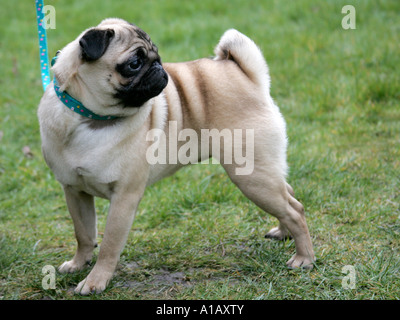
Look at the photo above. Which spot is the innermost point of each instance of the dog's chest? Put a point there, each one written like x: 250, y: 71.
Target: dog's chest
x: 91, y: 173
x: 86, y: 163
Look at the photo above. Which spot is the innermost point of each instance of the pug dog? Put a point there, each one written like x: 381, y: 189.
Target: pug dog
x: 112, y: 98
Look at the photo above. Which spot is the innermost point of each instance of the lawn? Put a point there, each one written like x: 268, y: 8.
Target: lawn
x: 196, y: 236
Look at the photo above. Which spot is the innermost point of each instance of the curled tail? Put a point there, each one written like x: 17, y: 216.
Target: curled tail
x: 241, y: 49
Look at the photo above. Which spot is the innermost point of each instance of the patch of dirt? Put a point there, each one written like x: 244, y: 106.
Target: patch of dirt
x: 155, y: 282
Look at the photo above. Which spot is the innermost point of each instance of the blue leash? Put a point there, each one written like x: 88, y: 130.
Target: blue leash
x: 64, y: 97
x: 43, y: 54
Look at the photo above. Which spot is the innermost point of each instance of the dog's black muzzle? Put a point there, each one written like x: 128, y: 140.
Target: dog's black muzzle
x: 151, y: 84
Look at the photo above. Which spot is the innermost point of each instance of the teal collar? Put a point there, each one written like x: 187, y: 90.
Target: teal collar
x: 74, y: 104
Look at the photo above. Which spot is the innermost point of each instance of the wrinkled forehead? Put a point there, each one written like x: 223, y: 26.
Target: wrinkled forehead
x: 128, y: 37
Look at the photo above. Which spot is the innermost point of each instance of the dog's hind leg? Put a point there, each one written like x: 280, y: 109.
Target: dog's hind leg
x: 290, y: 189
x: 268, y: 190
x: 280, y: 232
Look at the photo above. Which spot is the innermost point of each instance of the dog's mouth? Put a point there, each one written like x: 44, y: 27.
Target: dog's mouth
x: 151, y: 84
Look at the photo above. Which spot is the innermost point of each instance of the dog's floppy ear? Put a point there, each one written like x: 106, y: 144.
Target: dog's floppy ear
x: 95, y: 42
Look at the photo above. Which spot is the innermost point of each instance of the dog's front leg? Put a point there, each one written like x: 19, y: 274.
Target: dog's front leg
x: 81, y: 208
x: 119, y: 221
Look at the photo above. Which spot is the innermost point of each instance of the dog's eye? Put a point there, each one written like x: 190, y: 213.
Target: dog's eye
x: 135, y: 64
x: 131, y: 67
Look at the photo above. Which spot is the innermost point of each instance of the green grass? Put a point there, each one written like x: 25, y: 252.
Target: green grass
x: 196, y: 236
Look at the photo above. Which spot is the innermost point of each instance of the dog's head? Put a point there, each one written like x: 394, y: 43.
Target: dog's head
x: 112, y: 69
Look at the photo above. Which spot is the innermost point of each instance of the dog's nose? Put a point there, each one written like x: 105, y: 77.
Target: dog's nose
x: 157, y: 64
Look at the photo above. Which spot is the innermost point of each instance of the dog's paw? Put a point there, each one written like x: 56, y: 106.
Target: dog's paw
x: 95, y: 282
x: 71, y: 266
x: 278, y: 234
x: 298, y: 261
